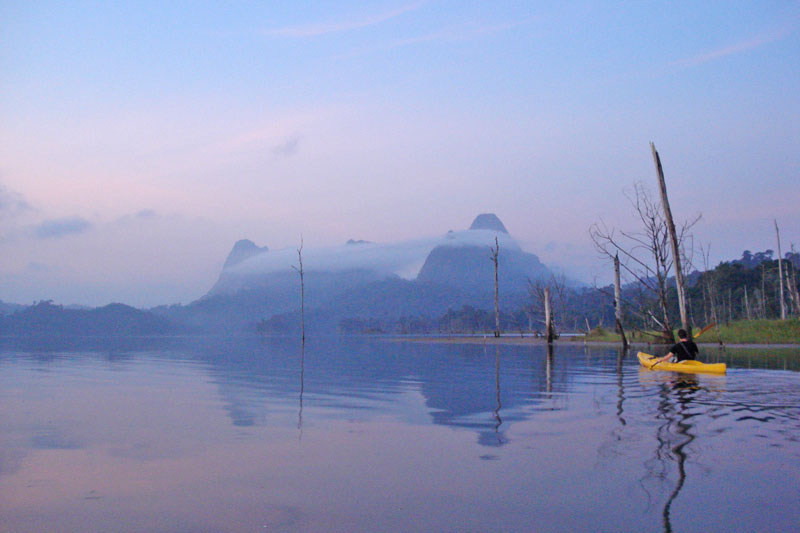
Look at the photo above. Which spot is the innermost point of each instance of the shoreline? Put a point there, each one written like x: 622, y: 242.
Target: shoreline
x: 533, y: 341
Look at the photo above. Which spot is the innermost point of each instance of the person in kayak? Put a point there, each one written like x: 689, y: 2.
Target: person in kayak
x: 684, y: 350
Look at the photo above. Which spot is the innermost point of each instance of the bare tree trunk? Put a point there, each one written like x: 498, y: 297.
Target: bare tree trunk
x: 676, y: 253
x: 747, y: 304
x: 790, y: 305
x: 618, y: 303
x: 763, y: 292
x: 792, y: 283
x: 713, y: 308
x: 548, y: 316
x: 666, y: 328
x: 588, y: 327
x: 715, y: 318
x: 730, y: 305
x: 495, y: 254
x: 780, y: 272
x: 302, y: 292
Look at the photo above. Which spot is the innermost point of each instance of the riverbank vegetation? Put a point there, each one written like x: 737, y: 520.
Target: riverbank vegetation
x: 741, y: 296
x: 761, y: 331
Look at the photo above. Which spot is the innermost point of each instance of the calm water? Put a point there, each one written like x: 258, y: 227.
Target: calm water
x: 370, y: 435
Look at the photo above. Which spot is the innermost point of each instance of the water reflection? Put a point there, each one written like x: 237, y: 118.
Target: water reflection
x: 674, y: 435
x: 302, y: 385
x: 499, y: 405
x: 347, y: 433
x: 549, y: 371
x: 620, y: 387
x: 681, y: 399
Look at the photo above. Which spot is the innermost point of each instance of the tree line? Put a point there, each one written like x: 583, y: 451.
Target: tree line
x: 738, y: 289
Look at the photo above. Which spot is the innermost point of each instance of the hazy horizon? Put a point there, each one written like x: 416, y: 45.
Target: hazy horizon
x: 139, y: 142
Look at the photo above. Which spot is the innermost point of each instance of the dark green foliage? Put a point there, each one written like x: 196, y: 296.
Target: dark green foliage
x: 750, y: 282
x: 573, y: 307
x: 45, y: 319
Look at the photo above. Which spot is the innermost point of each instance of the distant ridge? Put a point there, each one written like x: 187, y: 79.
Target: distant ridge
x: 488, y: 221
x: 354, y: 281
x: 112, y: 320
x: 242, y: 250
x: 463, y: 260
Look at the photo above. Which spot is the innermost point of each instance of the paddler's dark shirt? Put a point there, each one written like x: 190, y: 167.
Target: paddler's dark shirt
x: 684, y: 350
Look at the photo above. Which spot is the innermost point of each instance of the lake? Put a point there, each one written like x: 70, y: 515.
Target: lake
x: 365, y: 434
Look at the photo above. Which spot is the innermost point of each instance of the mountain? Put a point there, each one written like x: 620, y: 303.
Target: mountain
x: 243, y: 249
x: 47, y: 319
x: 364, y: 280
x: 488, y: 221
x: 464, y: 260
x: 7, y: 308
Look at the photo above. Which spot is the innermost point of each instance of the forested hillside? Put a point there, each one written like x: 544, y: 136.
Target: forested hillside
x: 745, y: 288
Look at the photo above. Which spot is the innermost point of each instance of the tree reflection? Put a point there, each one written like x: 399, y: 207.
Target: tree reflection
x: 674, y: 434
x: 302, y: 386
x: 611, y: 447
x: 496, y: 412
x: 549, y: 371
x: 620, y: 388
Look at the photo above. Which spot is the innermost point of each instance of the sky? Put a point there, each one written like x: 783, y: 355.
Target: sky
x: 140, y: 140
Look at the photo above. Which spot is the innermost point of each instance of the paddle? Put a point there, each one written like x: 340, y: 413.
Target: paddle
x: 708, y: 327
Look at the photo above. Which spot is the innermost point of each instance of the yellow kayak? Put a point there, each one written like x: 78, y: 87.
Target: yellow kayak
x: 648, y: 361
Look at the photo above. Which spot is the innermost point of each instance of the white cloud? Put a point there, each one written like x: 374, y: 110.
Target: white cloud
x: 324, y: 28
x: 730, y: 50
x: 403, y: 258
x: 287, y: 148
x: 61, y: 227
x: 12, y: 203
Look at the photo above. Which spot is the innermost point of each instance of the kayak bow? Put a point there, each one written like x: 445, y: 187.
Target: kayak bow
x: 649, y: 361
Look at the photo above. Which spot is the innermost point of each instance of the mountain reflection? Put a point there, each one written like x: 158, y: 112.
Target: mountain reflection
x: 463, y: 386
x: 271, y: 380
x: 578, y: 438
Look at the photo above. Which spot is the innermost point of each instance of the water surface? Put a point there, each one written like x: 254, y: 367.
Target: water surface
x: 367, y: 435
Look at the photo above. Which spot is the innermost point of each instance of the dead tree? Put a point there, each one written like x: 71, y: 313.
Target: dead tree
x: 644, y: 253
x: 299, y: 270
x: 618, y: 303
x: 780, y: 273
x: 675, y: 244
x: 542, y: 293
x: 763, y: 291
x: 709, y: 288
x: 791, y: 281
x: 747, y: 304
x: 495, y: 253
x: 548, y: 317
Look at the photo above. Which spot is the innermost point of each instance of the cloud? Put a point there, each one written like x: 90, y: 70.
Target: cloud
x: 142, y: 215
x: 145, y: 214
x: 737, y: 48
x: 463, y: 32
x: 403, y: 258
x: 12, y: 203
x: 61, y: 227
x: 35, y: 267
x: 449, y: 34
x: 287, y: 148
x: 324, y: 28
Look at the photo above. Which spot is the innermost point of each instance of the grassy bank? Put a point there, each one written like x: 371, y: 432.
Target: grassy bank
x: 738, y: 332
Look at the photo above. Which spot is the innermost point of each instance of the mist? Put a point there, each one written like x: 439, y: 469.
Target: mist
x: 404, y: 258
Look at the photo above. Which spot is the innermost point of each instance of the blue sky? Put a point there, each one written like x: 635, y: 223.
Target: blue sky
x: 139, y: 140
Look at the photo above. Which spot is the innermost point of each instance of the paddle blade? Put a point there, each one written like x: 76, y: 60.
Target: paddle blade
x: 708, y: 327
